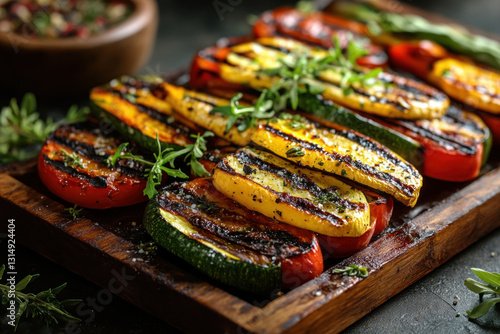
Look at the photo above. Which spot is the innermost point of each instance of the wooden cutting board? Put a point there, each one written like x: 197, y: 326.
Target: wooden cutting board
x: 103, y: 247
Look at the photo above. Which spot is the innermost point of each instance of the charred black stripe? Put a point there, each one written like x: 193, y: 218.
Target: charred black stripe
x: 128, y: 167
x: 300, y: 203
x: 265, y: 241
x: 440, y: 139
x: 98, y: 181
x: 408, y: 190
x: 200, y: 100
x: 153, y: 113
x: 375, y: 147
x: 456, y: 115
x: 389, y: 78
x: 299, y: 181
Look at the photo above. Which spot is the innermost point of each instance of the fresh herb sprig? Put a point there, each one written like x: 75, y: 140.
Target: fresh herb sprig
x: 74, y: 211
x: 44, y: 305
x: 71, y: 160
x: 490, y: 287
x: 353, y: 270
x: 164, y: 157
x: 245, y: 115
x: 22, y: 129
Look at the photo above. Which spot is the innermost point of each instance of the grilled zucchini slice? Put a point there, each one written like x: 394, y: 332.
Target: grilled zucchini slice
x: 228, y: 242
x: 468, y: 83
x: 138, y: 115
x: 344, y: 153
x: 395, y: 97
x: 297, y: 196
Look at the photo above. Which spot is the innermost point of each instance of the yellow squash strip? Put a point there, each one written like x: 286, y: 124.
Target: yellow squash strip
x: 129, y: 114
x: 394, y: 96
x: 356, y: 158
x: 197, y: 106
x: 297, y: 196
x: 468, y: 83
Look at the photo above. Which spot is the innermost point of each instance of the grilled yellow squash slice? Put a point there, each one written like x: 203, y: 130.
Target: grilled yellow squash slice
x: 197, y: 106
x: 468, y: 83
x: 345, y: 153
x: 294, y: 195
x: 394, y: 96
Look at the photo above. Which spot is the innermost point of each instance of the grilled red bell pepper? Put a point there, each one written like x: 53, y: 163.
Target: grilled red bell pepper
x: 318, y: 29
x: 462, y: 80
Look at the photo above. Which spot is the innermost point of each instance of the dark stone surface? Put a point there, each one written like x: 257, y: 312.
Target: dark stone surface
x: 425, y: 307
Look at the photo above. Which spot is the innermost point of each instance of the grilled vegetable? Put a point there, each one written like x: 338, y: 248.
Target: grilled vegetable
x: 229, y: 243
x: 334, y: 116
x: 344, y: 153
x: 455, y: 146
x: 465, y: 82
x: 134, y: 112
x: 318, y: 29
x: 388, y: 95
x: 297, y: 196
x: 388, y: 27
x: 72, y: 165
x: 197, y: 107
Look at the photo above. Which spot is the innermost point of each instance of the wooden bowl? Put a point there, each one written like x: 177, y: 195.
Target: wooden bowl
x: 71, y: 66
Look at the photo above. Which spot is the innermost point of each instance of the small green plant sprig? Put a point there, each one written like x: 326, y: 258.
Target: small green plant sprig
x: 164, y: 157
x: 245, y: 115
x: 491, y: 286
x: 43, y: 305
x: 22, y: 128
x: 74, y: 211
x: 353, y: 270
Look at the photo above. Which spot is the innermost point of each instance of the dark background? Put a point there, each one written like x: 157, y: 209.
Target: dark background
x: 425, y: 307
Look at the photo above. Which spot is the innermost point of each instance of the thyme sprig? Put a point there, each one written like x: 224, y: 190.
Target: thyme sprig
x: 71, y: 160
x: 44, y: 305
x: 166, y: 157
x: 23, y: 130
x: 491, y: 286
x: 74, y: 211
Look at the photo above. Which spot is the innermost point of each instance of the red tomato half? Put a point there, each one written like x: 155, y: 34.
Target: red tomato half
x: 337, y: 247
x: 302, y: 268
x: 94, y: 186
